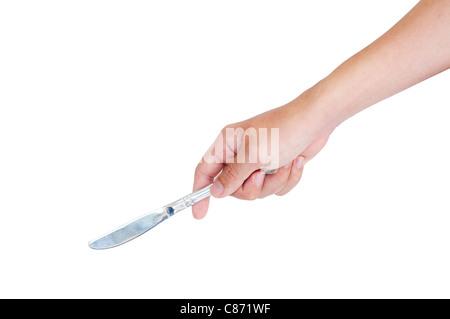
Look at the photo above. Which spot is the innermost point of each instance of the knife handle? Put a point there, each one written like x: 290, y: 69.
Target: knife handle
x: 189, y: 200
x: 197, y: 196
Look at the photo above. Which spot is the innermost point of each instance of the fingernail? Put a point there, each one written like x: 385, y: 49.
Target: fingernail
x: 259, y: 178
x: 287, y: 165
x: 299, y: 162
x: 216, y: 189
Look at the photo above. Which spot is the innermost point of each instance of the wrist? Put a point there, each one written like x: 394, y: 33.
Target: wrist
x: 316, y: 109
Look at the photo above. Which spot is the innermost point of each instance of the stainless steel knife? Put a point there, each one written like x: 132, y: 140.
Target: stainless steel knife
x: 142, y: 224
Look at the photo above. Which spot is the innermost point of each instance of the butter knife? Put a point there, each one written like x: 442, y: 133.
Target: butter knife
x: 144, y: 223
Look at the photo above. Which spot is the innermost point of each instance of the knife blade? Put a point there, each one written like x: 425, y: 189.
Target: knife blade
x: 139, y: 226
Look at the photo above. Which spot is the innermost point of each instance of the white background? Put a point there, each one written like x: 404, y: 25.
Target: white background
x: 107, y: 106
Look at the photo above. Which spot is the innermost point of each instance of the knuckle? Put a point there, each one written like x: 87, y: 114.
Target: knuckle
x: 284, y: 178
x: 251, y: 196
x: 261, y: 196
x: 230, y: 173
x: 197, y: 169
x: 224, y: 129
x: 297, y: 174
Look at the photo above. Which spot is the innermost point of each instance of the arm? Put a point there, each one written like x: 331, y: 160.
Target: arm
x: 416, y: 48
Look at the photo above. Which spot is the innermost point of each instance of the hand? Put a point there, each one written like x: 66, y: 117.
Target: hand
x: 293, y: 138
x: 414, y: 49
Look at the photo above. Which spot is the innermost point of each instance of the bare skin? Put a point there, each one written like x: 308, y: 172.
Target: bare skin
x: 415, y: 49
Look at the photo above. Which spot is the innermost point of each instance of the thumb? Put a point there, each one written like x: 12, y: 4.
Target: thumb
x: 232, y: 177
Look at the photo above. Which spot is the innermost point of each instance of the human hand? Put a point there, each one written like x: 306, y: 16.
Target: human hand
x: 293, y: 138
x: 414, y: 49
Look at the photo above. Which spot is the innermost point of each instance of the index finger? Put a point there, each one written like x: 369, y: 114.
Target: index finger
x: 204, y: 175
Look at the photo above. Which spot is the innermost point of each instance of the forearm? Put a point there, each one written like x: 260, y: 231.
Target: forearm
x: 416, y: 48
